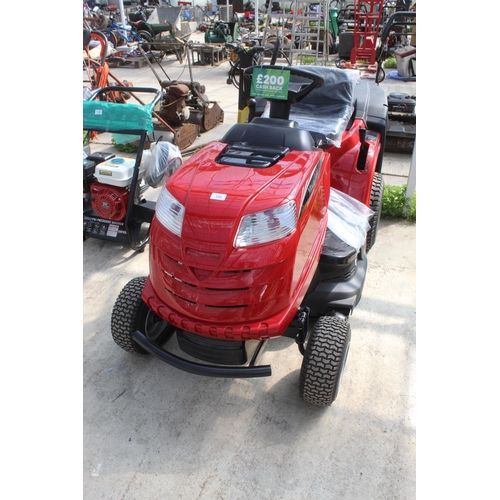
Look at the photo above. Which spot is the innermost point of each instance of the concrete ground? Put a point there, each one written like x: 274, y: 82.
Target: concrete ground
x: 151, y: 431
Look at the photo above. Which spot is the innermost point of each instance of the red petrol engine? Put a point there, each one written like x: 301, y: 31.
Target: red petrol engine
x: 110, y: 202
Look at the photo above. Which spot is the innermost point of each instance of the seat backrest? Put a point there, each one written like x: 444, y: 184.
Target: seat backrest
x: 327, y: 110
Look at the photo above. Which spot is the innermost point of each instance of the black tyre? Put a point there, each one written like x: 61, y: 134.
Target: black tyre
x: 376, y: 198
x: 146, y: 42
x: 324, y: 360
x: 130, y: 313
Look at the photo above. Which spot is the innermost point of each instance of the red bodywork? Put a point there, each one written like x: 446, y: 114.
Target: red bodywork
x: 201, y: 282
x: 345, y: 174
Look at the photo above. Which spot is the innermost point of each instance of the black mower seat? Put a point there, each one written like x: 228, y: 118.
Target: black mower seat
x: 327, y: 110
x: 270, y: 132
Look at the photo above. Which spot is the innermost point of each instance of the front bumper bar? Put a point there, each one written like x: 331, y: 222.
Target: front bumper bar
x: 201, y: 369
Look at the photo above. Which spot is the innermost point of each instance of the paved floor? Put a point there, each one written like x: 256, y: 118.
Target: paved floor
x: 153, y: 432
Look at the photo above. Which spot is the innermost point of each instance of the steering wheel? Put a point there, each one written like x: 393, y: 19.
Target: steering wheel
x: 296, y: 91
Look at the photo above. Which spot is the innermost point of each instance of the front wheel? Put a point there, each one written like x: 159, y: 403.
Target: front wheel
x: 324, y: 360
x: 130, y: 313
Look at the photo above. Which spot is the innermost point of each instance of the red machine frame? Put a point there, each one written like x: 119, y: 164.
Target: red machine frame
x: 366, y: 30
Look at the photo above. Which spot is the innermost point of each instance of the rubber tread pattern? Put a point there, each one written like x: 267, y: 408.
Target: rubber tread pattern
x: 127, y: 312
x: 323, y: 360
x: 376, y: 199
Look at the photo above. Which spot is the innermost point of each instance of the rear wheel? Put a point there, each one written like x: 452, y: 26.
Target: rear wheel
x: 324, y: 360
x: 130, y: 313
x: 376, y: 198
x: 146, y: 40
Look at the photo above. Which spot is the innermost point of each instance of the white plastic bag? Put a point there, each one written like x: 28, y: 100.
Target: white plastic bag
x: 348, y: 218
x: 160, y: 162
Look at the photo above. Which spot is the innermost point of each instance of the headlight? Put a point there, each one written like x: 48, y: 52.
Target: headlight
x: 170, y: 212
x: 269, y: 225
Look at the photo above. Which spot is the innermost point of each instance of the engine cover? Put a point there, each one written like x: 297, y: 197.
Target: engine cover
x: 173, y: 107
x: 109, y: 202
x: 200, y: 280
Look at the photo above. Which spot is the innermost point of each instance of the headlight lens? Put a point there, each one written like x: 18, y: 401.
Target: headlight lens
x: 269, y: 225
x: 170, y: 212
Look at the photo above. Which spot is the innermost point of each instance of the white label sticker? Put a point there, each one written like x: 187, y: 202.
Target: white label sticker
x: 112, y: 231
x: 98, y: 112
x: 218, y: 196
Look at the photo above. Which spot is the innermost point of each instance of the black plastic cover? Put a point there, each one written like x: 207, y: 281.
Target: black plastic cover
x: 270, y: 132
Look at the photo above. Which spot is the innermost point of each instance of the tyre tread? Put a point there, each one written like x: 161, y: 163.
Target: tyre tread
x: 376, y: 198
x: 322, y: 364
x: 125, y: 315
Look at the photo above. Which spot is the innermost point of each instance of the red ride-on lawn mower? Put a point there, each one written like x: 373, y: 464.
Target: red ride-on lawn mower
x: 241, y: 250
